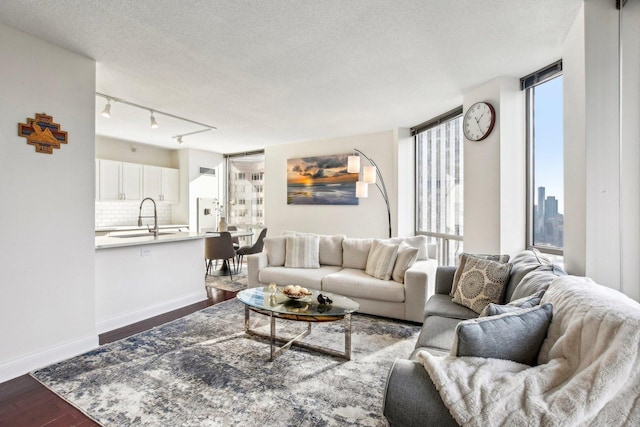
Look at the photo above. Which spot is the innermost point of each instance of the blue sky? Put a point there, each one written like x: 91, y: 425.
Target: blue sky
x: 548, y: 125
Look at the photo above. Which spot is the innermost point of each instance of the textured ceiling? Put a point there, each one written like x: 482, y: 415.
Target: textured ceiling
x: 279, y: 71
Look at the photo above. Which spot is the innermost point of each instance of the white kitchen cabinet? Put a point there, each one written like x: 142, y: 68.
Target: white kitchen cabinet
x: 120, y: 181
x: 161, y: 184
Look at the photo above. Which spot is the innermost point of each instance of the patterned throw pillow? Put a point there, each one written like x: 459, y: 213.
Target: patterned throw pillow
x: 407, y: 255
x: 382, y: 257
x: 481, y: 282
x: 463, y: 260
x: 302, y: 252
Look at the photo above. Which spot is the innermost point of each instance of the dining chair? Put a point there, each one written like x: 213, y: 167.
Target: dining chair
x: 234, y: 239
x: 219, y: 248
x: 251, y: 249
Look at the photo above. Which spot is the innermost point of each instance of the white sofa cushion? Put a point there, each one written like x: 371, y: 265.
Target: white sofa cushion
x: 275, y: 247
x: 407, y: 255
x: 356, y: 283
x: 331, y: 249
x: 419, y: 242
x: 302, y: 251
x: 306, y: 277
x: 355, y: 253
x: 381, y: 259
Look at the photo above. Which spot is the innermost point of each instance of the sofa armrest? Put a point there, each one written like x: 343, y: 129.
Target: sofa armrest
x: 444, y: 279
x: 419, y: 283
x: 255, y: 263
x: 411, y: 399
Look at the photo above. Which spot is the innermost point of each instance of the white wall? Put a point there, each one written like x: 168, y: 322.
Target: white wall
x: 630, y: 133
x: 368, y: 219
x: 494, y: 173
x: 133, y: 152
x: 47, y: 309
x: 575, y: 179
x: 404, y: 216
x: 195, y: 185
x: 601, y: 156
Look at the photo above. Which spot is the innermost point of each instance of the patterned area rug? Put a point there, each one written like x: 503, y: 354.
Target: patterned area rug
x: 225, y: 283
x: 202, y: 370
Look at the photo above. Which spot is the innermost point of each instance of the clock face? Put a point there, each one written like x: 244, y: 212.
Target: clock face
x: 478, y: 121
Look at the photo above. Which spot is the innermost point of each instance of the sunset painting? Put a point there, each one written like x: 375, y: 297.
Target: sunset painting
x: 321, y: 180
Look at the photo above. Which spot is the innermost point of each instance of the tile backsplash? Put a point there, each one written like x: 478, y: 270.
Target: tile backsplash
x: 111, y: 214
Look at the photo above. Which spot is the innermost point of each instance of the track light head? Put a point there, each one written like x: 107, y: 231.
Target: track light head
x: 154, y: 123
x: 180, y: 141
x: 107, y: 110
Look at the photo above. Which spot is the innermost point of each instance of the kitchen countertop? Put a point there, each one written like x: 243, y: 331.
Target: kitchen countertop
x: 135, y: 227
x: 105, y: 242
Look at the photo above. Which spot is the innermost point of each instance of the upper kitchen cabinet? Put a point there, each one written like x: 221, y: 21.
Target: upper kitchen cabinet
x: 161, y: 184
x: 120, y: 181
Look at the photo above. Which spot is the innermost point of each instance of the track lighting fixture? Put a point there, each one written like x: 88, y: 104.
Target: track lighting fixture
x: 179, y: 137
x: 107, y: 109
x: 154, y: 123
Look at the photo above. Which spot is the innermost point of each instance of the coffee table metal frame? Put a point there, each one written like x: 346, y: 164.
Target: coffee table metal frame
x: 272, y: 336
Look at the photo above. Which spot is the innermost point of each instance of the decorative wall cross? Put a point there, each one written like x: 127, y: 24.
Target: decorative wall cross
x: 42, y: 133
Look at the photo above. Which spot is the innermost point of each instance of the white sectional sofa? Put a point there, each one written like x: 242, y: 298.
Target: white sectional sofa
x: 341, y: 267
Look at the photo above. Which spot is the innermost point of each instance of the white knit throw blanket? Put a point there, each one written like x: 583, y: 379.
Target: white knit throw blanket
x: 588, y: 372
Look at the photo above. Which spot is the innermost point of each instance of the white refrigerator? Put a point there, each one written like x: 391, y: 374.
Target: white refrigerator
x: 207, y: 214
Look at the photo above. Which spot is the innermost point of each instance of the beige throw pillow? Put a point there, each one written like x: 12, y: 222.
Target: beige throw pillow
x: 481, y: 282
x: 463, y: 260
x: 407, y: 256
x: 302, y: 252
x: 381, y: 259
x: 355, y: 253
x: 275, y: 248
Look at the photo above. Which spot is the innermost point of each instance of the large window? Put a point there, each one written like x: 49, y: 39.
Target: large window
x: 439, y: 167
x: 545, y: 159
x: 246, y: 189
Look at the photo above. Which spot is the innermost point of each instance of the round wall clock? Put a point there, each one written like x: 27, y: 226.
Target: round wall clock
x: 478, y: 121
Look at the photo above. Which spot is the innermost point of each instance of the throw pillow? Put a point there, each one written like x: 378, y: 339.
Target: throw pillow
x: 419, y: 242
x: 331, y: 249
x: 275, y: 248
x: 407, y: 255
x: 381, y: 259
x: 481, y: 282
x: 302, y: 252
x: 515, y: 336
x: 462, y: 261
x: 355, y: 253
x: 526, y: 302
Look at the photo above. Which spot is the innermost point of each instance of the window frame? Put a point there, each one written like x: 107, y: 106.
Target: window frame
x: 528, y: 83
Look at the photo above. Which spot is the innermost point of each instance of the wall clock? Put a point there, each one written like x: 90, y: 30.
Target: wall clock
x: 478, y: 121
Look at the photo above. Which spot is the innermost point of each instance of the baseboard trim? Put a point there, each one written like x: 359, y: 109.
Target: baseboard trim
x: 46, y: 357
x: 120, y: 320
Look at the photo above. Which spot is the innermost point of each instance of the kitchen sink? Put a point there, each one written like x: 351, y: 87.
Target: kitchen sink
x: 147, y: 234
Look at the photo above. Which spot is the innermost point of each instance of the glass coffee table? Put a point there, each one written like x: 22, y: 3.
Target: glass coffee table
x: 308, y: 309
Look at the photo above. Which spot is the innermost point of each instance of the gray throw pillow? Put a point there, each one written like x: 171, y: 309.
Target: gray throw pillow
x: 526, y: 302
x: 515, y: 336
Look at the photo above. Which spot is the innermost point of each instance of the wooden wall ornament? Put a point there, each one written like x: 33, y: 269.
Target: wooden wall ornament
x: 42, y: 133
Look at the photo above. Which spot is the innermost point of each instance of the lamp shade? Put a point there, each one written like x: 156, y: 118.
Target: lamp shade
x: 362, y: 189
x: 353, y: 164
x: 369, y: 174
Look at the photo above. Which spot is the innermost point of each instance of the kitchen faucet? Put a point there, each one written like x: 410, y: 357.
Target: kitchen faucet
x: 154, y: 230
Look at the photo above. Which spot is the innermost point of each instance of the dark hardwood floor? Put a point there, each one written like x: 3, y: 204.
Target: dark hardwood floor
x: 24, y: 402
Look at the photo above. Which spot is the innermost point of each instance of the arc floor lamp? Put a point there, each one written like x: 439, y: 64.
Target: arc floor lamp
x: 369, y: 175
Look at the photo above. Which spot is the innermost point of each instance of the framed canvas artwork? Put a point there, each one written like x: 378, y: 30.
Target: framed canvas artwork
x: 321, y: 180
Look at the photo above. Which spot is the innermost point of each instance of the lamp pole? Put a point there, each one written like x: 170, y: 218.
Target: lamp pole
x: 383, y: 189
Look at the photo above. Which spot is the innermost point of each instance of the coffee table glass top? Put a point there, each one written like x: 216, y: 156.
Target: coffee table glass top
x: 261, y: 298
